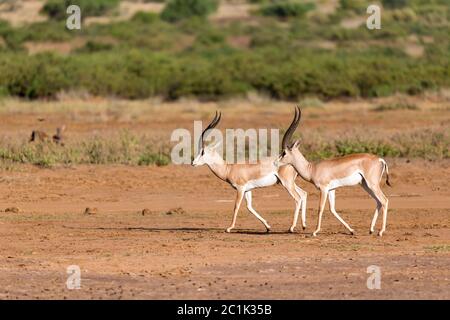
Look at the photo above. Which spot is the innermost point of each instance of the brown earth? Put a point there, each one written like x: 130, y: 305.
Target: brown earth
x: 179, y: 249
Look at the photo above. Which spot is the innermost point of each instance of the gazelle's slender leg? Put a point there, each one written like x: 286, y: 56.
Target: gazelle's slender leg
x: 303, y: 196
x: 375, y: 217
x: 298, y: 202
x: 384, y: 203
x: 375, y: 188
x: 239, y: 197
x: 385, y: 208
x: 290, y: 187
x: 332, y: 202
x: 248, y: 199
x: 377, y: 209
x: 323, y: 200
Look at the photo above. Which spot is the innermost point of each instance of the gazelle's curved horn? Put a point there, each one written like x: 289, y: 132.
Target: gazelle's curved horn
x: 211, y: 126
x: 290, y: 131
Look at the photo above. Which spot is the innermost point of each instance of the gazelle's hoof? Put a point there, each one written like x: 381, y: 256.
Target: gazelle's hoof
x: 292, y: 229
x: 380, y: 234
x: 371, y: 231
x: 268, y: 229
x: 228, y: 230
x: 314, y: 234
x: 352, y: 232
x: 304, y: 227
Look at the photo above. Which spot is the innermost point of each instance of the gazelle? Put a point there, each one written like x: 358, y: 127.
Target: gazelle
x: 328, y: 175
x: 37, y: 135
x: 58, y: 137
x: 41, y: 136
x: 246, y: 177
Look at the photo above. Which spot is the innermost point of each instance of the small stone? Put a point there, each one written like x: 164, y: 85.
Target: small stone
x: 90, y: 211
x: 146, y: 211
x: 12, y: 209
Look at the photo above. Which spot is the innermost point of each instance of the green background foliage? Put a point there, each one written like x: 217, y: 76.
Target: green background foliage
x: 183, y: 53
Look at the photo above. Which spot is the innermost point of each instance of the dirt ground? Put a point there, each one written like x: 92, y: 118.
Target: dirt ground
x: 185, y: 254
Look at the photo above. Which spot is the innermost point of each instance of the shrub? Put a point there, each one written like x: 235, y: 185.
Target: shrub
x: 94, y: 46
x: 287, y: 9
x: 131, y: 75
x: 394, y: 4
x: 204, y: 80
x: 39, y: 76
x: 358, y: 6
x: 148, y: 158
x: 311, y: 102
x: 403, y: 15
x: 176, y: 10
x: 123, y: 148
x: 395, y: 106
x: 344, y: 147
x: 145, y: 17
x: 56, y: 9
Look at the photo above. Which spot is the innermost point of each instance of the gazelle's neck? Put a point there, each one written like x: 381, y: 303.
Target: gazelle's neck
x: 303, y: 166
x: 218, y: 167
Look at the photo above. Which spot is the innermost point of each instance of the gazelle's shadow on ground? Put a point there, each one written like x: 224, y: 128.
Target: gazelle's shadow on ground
x: 181, y: 229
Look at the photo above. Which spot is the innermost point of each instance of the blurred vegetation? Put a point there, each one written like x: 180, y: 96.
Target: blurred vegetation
x: 182, y: 53
x: 177, y: 10
x: 430, y: 144
x: 287, y: 9
x: 56, y: 9
x: 130, y: 149
x: 395, y: 106
x: 124, y: 148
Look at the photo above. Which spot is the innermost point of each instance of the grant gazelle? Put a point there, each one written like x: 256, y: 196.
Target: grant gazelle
x: 328, y: 175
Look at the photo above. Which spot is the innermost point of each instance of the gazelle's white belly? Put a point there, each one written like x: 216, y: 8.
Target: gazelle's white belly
x: 265, y: 181
x: 350, y: 180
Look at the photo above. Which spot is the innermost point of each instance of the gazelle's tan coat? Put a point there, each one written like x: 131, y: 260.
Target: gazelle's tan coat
x: 246, y: 177
x: 328, y: 175
x: 41, y: 136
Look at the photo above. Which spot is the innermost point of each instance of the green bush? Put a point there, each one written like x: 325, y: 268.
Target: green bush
x: 123, y: 148
x: 394, y: 4
x: 287, y: 9
x: 344, y: 147
x: 149, y: 158
x: 358, y: 6
x: 395, y: 106
x: 176, y: 10
x: 204, y: 80
x: 131, y: 75
x: 40, y: 76
x: 56, y: 9
x: 145, y: 17
x: 219, y: 72
x: 94, y: 46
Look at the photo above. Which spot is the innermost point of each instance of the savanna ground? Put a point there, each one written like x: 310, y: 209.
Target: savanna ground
x: 185, y: 253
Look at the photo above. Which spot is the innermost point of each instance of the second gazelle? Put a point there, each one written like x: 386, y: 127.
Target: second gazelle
x: 328, y: 175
